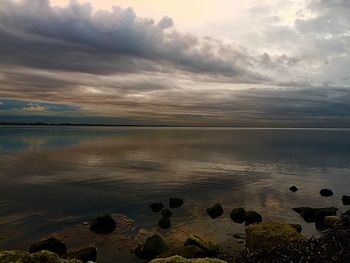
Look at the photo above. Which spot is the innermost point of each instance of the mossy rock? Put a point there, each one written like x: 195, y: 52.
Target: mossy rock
x: 19, y: 256
x: 267, y: 234
x: 178, y: 259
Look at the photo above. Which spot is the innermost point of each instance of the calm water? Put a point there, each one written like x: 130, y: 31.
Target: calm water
x: 52, y: 178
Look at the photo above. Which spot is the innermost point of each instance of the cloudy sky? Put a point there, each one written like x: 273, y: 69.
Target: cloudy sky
x: 194, y: 62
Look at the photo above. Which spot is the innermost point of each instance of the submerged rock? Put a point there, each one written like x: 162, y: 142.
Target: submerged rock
x: 238, y: 215
x: 297, y: 227
x: 326, y: 192
x: 178, y: 259
x: 154, y: 246
x: 85, y: 254
x: 267, y: 234
x: 346, y: 200
x: 252, y: 217
x: 103, y: 225
x: 18, y: 256
x: 51, y: 244
x: 175, y: 202
x: 293, y: 188
x: 209, y: 248
x: 315, y: 214
x: 156, y: 207
x: 167, y: 213
x: 215, y: 211
x: 164, y: 222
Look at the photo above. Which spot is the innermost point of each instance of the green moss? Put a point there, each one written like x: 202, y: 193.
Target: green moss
x: 18, y: 256
x: 178, y: 259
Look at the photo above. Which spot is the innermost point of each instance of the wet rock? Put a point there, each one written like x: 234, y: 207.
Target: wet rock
x: 175, y: 202
x: 156, y: 207
x: 51, y: 244
x: 167, y: 213
x: 297, y: 227
x: 238, y: 215
x: 293, y: 188
x: 252, y: 217
x: 346, y: 200
x: 103, y: 225
x: 215, y: 211
x: 315, y: 214
x: 326, y: 192
x: 178, y: 259
x: 18, y: 256
x: 154, y: 246
x: 267, y: 234
x: 209, y: 248
x: 164, y: 222
x: 85, y: 254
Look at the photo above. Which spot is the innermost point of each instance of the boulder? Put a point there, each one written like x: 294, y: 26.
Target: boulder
x: 154, y: 246
x: 331, y: 221
x: 178, y: 259
x: 238, y: 215
x: 167, y: 213
x: 103, y: 225
x: 293, y: 188
x: 315, y: 214
x: 164, y: 222
x: 346, y: 200
x: 215, y: 211
x: 252, y: 217
x: 326, y: 192
x: 51, y: 244
x: 267, y: 234
x: 297, y: 227
x: 156, y: 207
x: 85, y: 254
x: 18, y: 256
x: 175, y: 202
x: 209, y: 248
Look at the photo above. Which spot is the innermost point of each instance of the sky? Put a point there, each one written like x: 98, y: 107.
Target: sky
x: 169, y: 62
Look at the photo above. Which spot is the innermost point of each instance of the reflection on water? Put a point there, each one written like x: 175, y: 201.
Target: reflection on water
x: 55, y: 177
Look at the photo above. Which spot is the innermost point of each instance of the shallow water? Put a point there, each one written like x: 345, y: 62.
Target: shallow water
x: 55, y: 178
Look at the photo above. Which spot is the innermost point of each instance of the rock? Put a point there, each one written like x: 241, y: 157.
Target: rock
x: 186, y: 252
x: 238, y: 215
x: 156, y: 207
x: 103, y: 225
x: 164, y: 222
x: 154, y: 246
x: 18, y: 256
x: 315, y: 214
x: 331, y: 221
x: 267, y: 234
x: 239, y: 236
x: 85, y: 254
x: 293, y: 188
x: 167, y: 213
x: 297, y: 227
x: 175, y: 202
x: 326, y: 192
x: 215, y: 211
x: 252, y: 217
x: 209, y: 248
x: 346, y: 200
x: 51, y: 244
x: 178, y: 259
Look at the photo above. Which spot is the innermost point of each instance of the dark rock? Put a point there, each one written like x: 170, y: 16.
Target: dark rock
x: 238, y: 215
x: 315, y: 214
x: 209, y: 248
x: 51, y: 244
x: 167, y: 213
x: 215, y: 211
x: 326, y: 192
x: 175, y: 202
x: 293, y: 188
x: 85, y: 254
x: 252, y: 217
x: 103, y: 225
x: 346, y: 200
x: 156, y: 207
x: 164, y: 222
x: 297, y: 227
x: 154, y: 246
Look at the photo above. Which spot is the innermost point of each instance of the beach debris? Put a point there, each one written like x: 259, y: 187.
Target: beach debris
x: 293, y: 188
x: 215, y: 211
x: 175, y: 202
x: 52, y: 244
x: 238, y: 215
x: 153, y: 247
x: 208, y: 247
x: 346, y: 200
x: 156, y: 207
x: 315, y: 214
x: 84, y: 254
x: 104, y: 224
x: 164, y: 222
x: 252, y: 217
x: 326, y: 192
x: 166, y: 213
